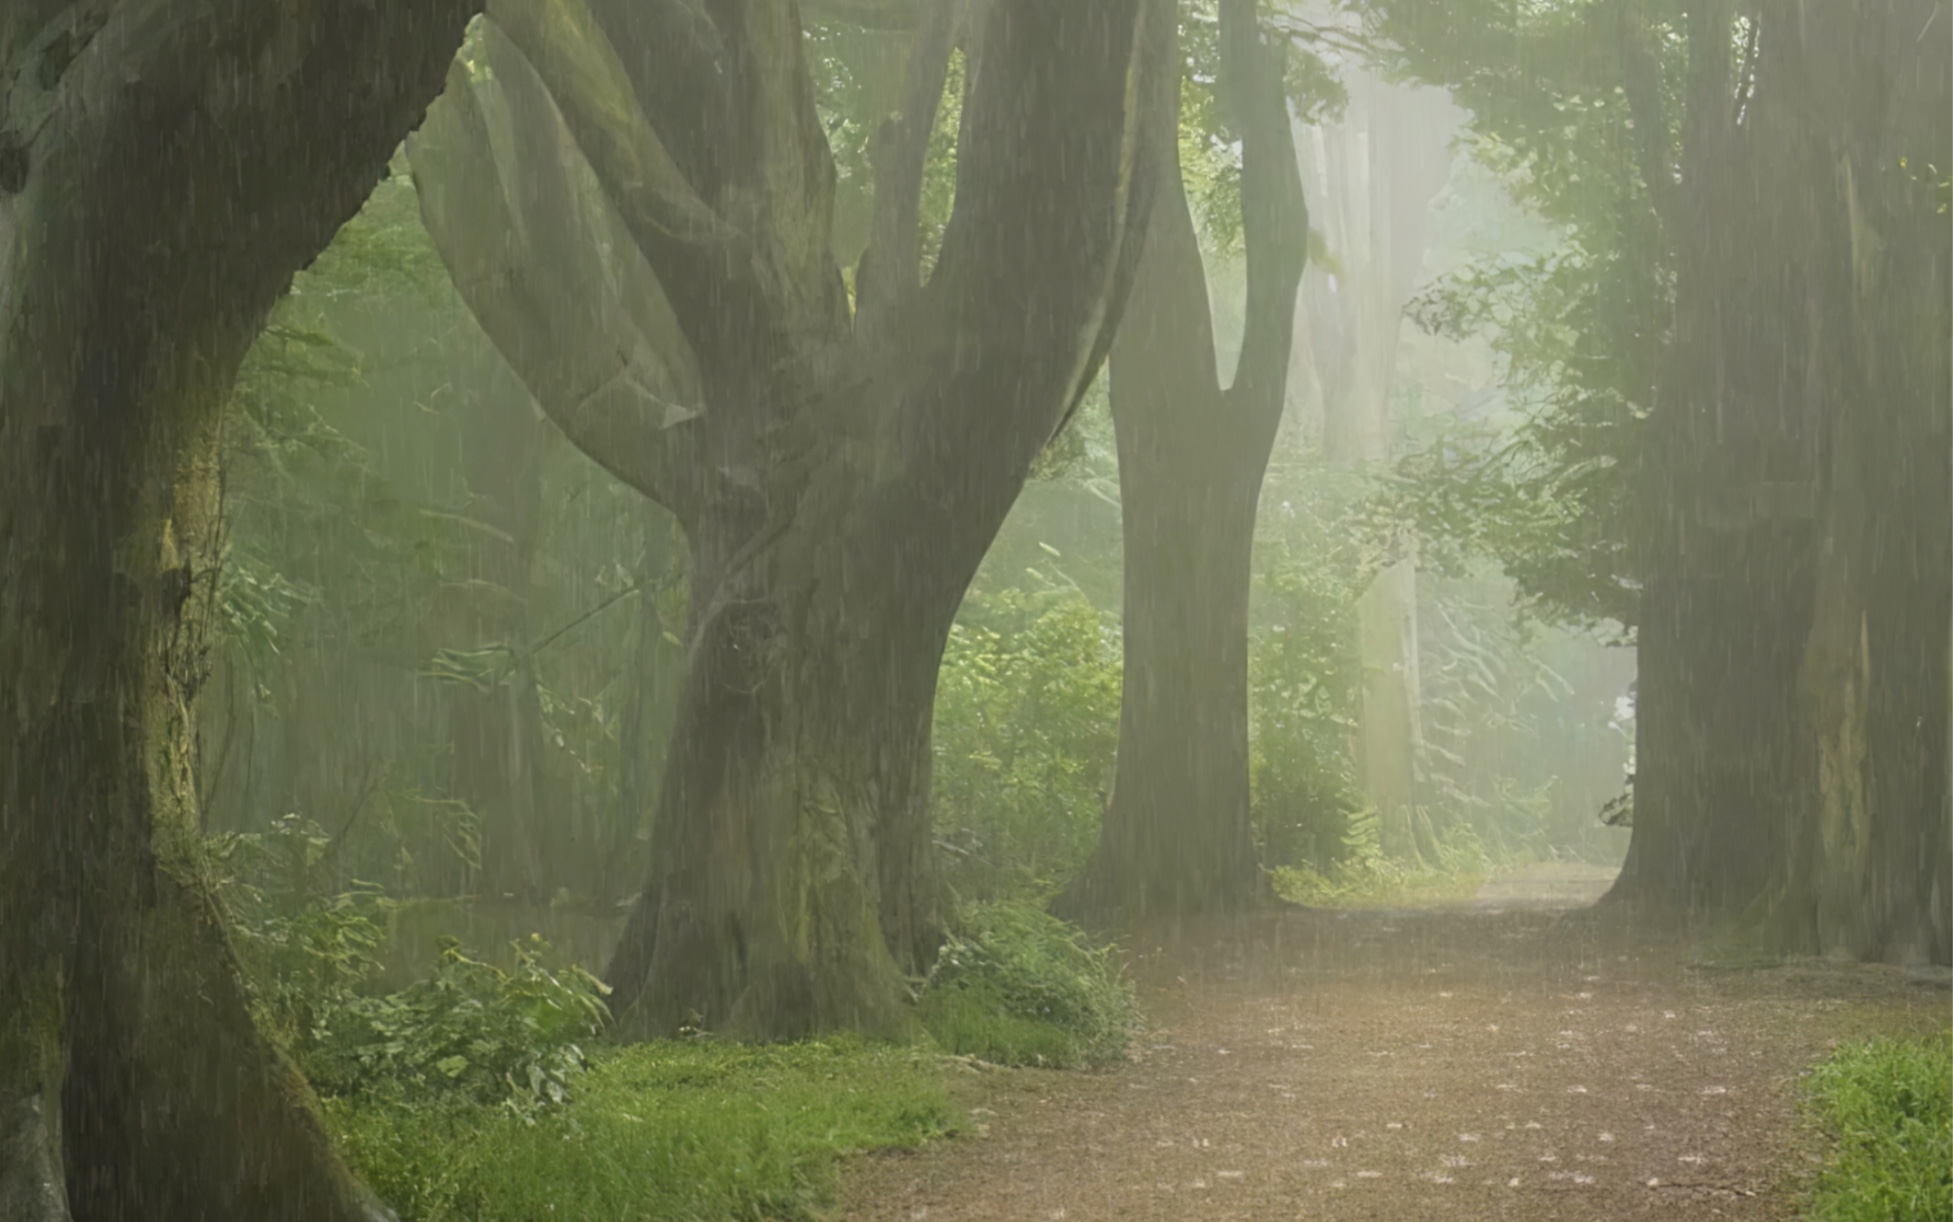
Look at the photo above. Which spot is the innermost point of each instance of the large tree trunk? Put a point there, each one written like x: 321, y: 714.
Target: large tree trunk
x: 781, y: 892
x: 1177, y: 836
x: 183, y: 161
x: 1866, y: 872
x: 839, y: 476
x: 1725, y: 497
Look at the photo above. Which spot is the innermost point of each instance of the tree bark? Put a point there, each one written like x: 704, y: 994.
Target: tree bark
x: 1177, y: 836
x: 838, y: 477
x: 1724, y: 496
x: 164, y: 169
x: 1866, y: 871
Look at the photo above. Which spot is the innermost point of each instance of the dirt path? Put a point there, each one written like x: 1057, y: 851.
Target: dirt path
x: 1486, y: 1061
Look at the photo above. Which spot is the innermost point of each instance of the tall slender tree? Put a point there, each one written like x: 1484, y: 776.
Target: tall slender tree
x: 635, y: 200
x: 1376, y: 171
x: 1176, y: 836
x: 165, y: 167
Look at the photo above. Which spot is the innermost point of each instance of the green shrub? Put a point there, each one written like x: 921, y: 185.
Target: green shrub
x: 470, y: 1031
x: 304, y: 947
x: 678, y: 1130
x: 1017, y: 986
x: 1365, y: 878
x: 1027, y: 722
x: 1304, y: 676
x: 1888, y: 1105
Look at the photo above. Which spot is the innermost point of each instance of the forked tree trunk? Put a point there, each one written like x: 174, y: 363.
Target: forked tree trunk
x: 185, y: 159
x: 1177, y: 836
x: 839, y: 476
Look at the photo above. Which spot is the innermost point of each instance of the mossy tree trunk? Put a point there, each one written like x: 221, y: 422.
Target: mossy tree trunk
x: 646, y: 235
x: 165, y: 166
x: 1177, y: 837
x: 1865, y: 868
x: 1726, y: 487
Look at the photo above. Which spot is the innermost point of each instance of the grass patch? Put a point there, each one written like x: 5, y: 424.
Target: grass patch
x: 1888, y: 1106
x: 675, y: 1130
x: 1366, y: 878
x: 1375, y: 883
x: 1016, y: 986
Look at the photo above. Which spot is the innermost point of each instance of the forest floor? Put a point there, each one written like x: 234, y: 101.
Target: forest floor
x: 1514, y: 1057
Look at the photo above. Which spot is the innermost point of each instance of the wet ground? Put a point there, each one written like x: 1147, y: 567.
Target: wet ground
x: 1508, y: 1058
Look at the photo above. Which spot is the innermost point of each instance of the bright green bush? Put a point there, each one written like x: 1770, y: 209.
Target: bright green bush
x: 1304, y: 676
x: 678, y: 1130
x: 1017, y: 986
x: 1888, y: 1106
x: 1027, y: 723
x: 470, y: 1030
x: 305, y: 947
x: 1364, y: 878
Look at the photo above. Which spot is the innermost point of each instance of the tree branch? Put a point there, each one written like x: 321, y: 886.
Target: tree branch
x: 892, y: 15
x: 891, y: 267
x: 1641, y: 81
x: 742, y: 252
x: 1057, y: 170
x: 1274, y: 214
x: 1169, y: 303
x: 521, y: 244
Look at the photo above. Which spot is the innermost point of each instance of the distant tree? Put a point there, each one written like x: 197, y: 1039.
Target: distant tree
x: 1377, y: 170
x: 1720, y: 383
x: 636, y: 200
x: 165, y: 167
x: 1177, y: 836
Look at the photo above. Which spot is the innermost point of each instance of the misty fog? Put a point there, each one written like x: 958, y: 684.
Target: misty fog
x: 968, y: 609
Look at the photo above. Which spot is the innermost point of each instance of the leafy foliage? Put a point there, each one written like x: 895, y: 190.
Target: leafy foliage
x: 1017, y: 986
x: 1364, y: 878
x: 1578, y: 329
x: 304, y: 949
x: 470, y: 1030
x: 1305, y: 674
x: 1888, y: 1104
x: 1027, y: 721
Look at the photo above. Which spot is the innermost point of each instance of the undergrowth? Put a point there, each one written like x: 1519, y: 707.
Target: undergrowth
x: 1366, y: 878
x: 1888, y: 1107
x: 477, y: 1094
x: 674, y: 1130
x: 1016, y: 986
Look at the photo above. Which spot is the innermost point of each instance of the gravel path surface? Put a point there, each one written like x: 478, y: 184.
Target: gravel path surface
x: 1501, y: 1059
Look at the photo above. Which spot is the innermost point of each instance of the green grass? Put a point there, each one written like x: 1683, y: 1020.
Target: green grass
x: 1375, y: 883
x: 1888, y: 1106
x: 1016, y: 986
x: 687, y: 1130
